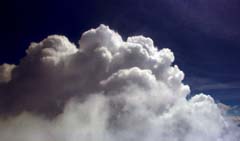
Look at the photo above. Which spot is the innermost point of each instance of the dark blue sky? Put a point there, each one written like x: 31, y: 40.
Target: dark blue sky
x: 204, y: 35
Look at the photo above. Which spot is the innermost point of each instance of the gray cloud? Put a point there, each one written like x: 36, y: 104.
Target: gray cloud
x: 5, y: 72
x: 107, y: 89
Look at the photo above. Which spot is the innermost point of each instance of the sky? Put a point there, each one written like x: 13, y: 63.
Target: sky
x: 204, y: 35
x: 120, y: 70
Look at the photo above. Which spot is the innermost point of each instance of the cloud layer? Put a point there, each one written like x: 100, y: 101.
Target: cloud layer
x: 106, y: 89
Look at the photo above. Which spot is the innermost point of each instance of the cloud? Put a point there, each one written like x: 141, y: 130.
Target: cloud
x: 220, y: 86
x: 107, y: 89
x: 5, y: 72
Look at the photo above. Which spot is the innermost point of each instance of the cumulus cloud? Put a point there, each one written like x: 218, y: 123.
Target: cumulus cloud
x: 6, y: 72
x: 105, y: 89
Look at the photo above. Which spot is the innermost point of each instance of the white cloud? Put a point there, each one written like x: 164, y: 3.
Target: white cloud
x: 107, y: 89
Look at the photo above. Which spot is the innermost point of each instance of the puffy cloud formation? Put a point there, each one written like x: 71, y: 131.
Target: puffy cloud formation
x: 107, y: 89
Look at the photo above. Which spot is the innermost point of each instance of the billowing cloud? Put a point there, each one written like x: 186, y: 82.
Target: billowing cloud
x: 105, y: 89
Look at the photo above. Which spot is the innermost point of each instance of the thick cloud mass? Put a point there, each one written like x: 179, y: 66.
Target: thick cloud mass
x: 107, y: 89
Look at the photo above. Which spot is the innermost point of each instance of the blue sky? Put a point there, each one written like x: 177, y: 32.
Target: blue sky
x: 204, y: 35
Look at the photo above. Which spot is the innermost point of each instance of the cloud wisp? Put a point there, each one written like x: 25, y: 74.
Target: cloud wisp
x: 105, y: 89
